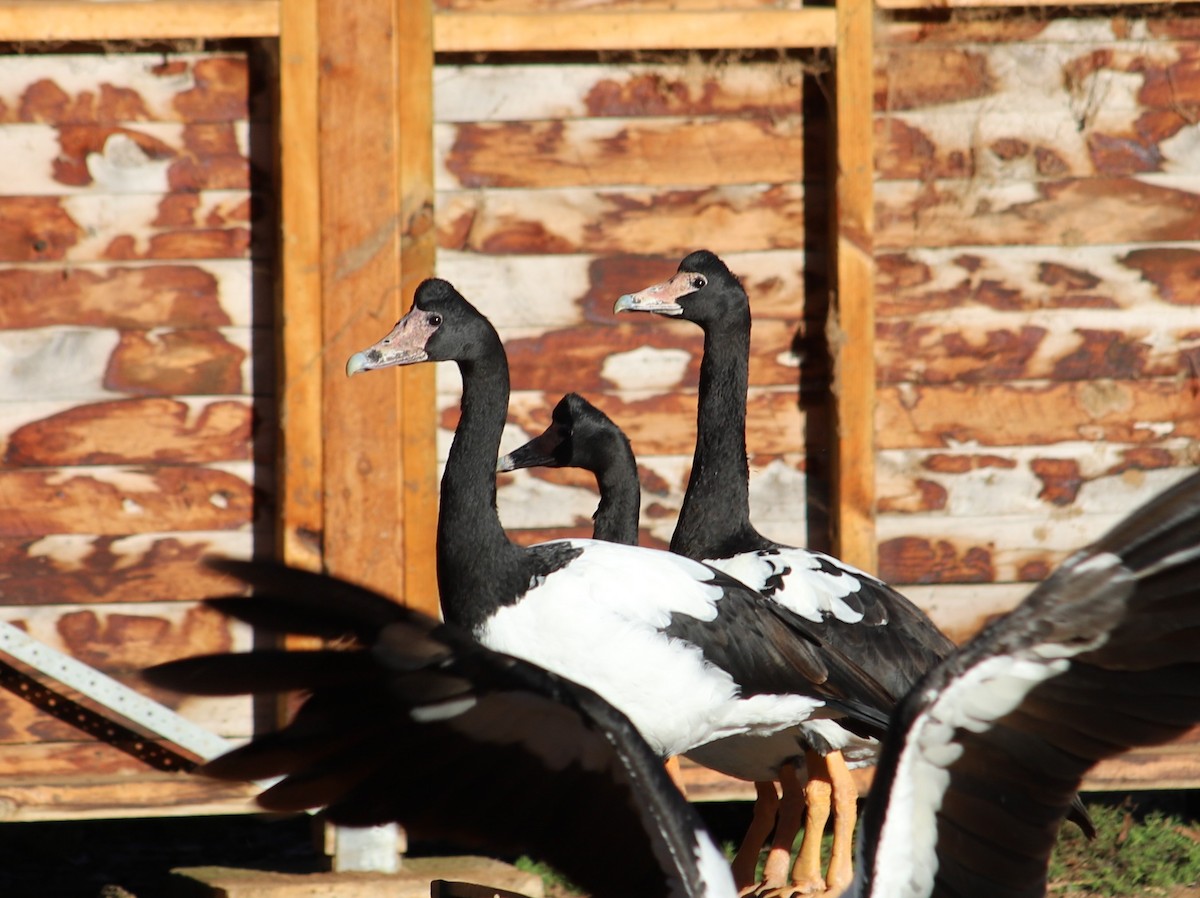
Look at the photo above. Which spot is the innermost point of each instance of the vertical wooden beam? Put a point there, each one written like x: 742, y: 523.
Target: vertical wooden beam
x: 852, y: 327
x: 374, y: 424
x: 298, y: 322
x: 418, y: 251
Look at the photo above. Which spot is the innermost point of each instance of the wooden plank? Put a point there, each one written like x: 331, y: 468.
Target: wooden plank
x: 124, y: 88
x: 635, y: 221
x: 204, y: 293
x: 123, y: 227
x: 98, y: 363
x: 359, y: 273
x: 852, y: 327
x: 586, y: 286
x: 139, y: 157
x: 1147, y: 209
x: 639, y: 355
x: 418, y: 252
x: 633, y: 29
x: 82, y: 20
x: 1001, y: 4
x: 85, y: 568
x: 517, y: 91
x: 1143, y: 282
x: 29, y: 799
x: 1061, y: 344
x: 119, y: 501
x: 701, y: 150
x: 1027, y: 480
x: 300, y: 464
x: 160, y: 430
x: 1035, y: 413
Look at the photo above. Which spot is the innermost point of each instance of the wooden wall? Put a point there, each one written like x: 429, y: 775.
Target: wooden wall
x: 136, y: 430
x: 562, y: 185
x: 1038, y: 210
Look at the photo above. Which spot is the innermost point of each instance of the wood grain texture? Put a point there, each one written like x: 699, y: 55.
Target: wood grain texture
x: 633, y: 28
x: 852, y: 322
x: 300, y: 466
x: 89, y: 20
x: 634, y: 221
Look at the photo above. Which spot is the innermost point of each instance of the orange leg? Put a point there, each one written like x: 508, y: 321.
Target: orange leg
x: 672, y: 765
x: 845, y: 815
x: 806, y: 874
x: 788, y: 824
x: 745, y: 862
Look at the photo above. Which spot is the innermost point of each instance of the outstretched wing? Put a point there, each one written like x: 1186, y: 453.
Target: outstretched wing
x: 986, y: 752
x: 414, y: 721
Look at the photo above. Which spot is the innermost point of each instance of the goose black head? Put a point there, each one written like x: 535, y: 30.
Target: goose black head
x: 579, y: 436
x: 702, y: 290
x: 441, y: 326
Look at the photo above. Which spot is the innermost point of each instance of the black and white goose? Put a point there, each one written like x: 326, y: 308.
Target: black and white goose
x: 582, y: 436
x: 414, y: 721
x: 646, y: 629
x: 978, y: 768
x: 887, y: 635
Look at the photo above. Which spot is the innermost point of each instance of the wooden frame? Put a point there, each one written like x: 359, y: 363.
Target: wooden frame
x: 355, y: 79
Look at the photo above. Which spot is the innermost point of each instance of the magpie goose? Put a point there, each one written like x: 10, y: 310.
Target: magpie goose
x: 648, y: 630
x: 582, y: 436
x: 888, y: 636
x: 979, y: 766
x: 414, y: 721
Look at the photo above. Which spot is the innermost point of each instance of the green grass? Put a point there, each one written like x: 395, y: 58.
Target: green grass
x: 555, y: 884
x: 1131, y: 855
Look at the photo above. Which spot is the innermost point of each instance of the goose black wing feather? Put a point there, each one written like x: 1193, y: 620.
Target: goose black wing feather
x: 421, y: 724
x: 988, y: 750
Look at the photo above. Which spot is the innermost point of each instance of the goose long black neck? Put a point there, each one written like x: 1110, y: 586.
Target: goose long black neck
x: 715, y: 519
x: 479, y: 568
x: 616, y: 517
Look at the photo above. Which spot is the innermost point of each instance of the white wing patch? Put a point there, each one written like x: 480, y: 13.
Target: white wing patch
x: 906, y: 855
x: 599, y: 622
x: 800, y: 580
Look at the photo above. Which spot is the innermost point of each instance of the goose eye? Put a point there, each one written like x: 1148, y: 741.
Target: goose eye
x: 699, y: 281
x: 435, y: 320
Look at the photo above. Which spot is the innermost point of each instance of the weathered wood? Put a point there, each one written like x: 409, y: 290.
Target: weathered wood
x: 118, y: 501
x: 121, y: 640
x: 1149, y: 282
x: 418, y: 252
x: 99, y: 363
x: 300, y: 465
x: 82, y: 89
x: 567, y: 290
x: 206, y: 225
x: 1147, y: 209
x: 131, y: 431
x: 539, y: 154
x: 202, y: 294
x: 1028, y: 480
x: 1035, y: 413
x: 640, y: 355
x: 1056, y: 345
x: 1000, y: 4
x: 852, y: 325
x: 150, y: 157
x: 633, y: 28
x: 520, y: 92
x: 374, y: 207
x: 28, y: 799
x: 83, y: 568
x: 83, y: 20
x: 983, y: 548
x: 736, y: 218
